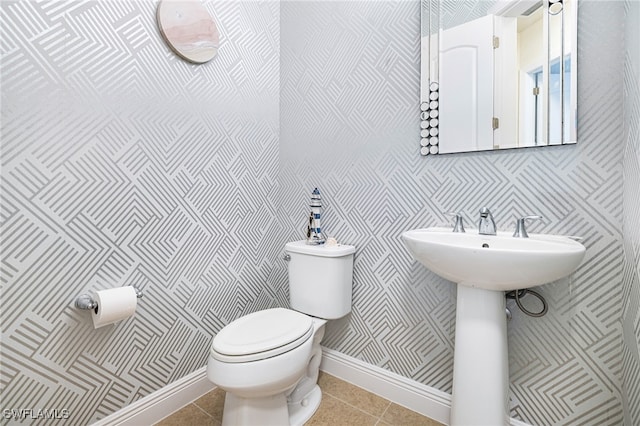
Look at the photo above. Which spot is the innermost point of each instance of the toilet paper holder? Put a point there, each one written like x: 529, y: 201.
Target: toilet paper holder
x: 85, y: 301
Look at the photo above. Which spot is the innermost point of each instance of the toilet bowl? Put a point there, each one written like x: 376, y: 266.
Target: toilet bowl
x: 268, y: 361
x: 271, y: 363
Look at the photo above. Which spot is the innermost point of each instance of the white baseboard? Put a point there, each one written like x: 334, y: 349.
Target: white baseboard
x: 516, y: 422
x: 415, y: 396
x: 161, y: 403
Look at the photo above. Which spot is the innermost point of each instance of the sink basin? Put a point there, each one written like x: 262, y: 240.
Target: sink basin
x: 483, y: 267
x: 494, y: 262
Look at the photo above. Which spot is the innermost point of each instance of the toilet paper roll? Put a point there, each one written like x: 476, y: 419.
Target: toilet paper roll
x: 114, y: 305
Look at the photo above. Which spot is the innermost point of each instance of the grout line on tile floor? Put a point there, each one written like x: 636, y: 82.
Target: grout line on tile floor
x: 385, y: 411
x: 201, y: 409
x: 358, y: 408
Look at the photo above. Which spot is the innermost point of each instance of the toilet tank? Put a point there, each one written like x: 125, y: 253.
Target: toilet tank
x: 320, y: 278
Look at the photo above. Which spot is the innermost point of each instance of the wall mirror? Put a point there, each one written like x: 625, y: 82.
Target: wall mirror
x: 497, y: 74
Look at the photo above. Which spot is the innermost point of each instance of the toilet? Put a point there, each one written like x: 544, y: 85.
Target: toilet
x: 268, y: 361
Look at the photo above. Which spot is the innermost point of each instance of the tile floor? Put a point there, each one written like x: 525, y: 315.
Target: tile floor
x: 342, y: 404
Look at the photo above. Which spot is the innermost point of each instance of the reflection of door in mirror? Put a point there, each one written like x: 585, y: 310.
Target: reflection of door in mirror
x: 530, y: 63
x: 533, y: 131
x: 466, y: 102
x: 533, y: 110
x: 506, y: 59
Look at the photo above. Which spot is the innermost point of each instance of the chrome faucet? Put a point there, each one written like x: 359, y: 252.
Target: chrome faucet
x: 459, y: 225
x: 521, y: 231
x: 486, y: 226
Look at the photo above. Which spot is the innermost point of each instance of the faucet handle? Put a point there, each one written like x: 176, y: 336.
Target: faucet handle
x: 521, y: 230
x: 459, y: 225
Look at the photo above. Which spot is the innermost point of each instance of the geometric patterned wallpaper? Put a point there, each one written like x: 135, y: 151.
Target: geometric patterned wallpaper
x: 349, y: 109
x: 123, y: 164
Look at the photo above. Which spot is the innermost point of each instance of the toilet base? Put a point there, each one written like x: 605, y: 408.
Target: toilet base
x: 268, y: 411
x: 301, y: 412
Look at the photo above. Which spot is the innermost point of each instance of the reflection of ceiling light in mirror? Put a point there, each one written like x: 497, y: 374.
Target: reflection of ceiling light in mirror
x: 515, y: 8
x: 532, y: 9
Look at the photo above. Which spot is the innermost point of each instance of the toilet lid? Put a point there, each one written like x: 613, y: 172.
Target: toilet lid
x: 262, y: 332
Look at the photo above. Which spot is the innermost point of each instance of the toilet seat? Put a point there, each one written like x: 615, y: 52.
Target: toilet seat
x: 261, y: 335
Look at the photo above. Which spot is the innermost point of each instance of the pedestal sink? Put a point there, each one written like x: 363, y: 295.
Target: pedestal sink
x: 484, y: 267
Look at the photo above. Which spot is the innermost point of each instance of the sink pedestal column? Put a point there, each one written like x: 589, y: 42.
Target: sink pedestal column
x: 480, y: 363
